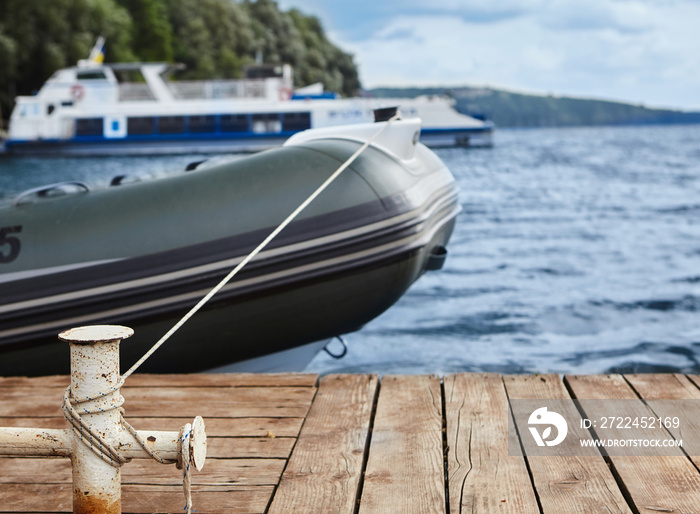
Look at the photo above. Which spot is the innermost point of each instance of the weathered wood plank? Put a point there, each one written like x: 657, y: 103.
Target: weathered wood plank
x: 172, y: 401
x: 571, y: 484
x: 405, y: 470
x: 667, y: 386
x: 36, y: 498
x: 211, y: 499
x: 188, y: 380
x: 482, y: 477
x: 655, y: 484
x: 146, y: 471
x: 249, y: 447
x: 662, y: 393
x: 323, y: 473
x: 695, y: 379
x: 140, y: 499
x: 216, y: 427
x: 224, y: 380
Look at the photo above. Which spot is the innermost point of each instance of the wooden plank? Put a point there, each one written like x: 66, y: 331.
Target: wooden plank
x: 656, y: 484
x: 695, y: 379
x: 53, y: 381
x: 323, y: 473
x: 186, y: 380
x: 215, y: 500
x: 172, y: 401
x: 482, y: 477
x: 224, y: 379
x: 23, y: 470
x: 405, y: 470
x: 216, y: 427
x: 667, y: 386
x: 660, y: 391
x: 249, y: 447
x: 140, y: 499
x: 570, y: 484
x: 249, y: 472
x: 36, y: 498
x: 631, y: 407
x: 146, y: 471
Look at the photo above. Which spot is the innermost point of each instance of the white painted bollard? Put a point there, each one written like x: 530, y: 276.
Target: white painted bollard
x: 95, y: 374
x: 94, y: 364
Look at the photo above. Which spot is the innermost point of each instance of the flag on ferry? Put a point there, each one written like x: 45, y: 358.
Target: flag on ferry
x: 97, y: 54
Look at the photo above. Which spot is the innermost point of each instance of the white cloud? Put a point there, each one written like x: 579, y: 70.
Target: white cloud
x: 630, y: 16
x: 642, y: 51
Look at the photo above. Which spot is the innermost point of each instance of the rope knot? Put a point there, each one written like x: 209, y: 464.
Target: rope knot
x: 73, y: 407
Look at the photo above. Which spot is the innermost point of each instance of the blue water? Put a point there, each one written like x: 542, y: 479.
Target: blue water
x: 577, y: 251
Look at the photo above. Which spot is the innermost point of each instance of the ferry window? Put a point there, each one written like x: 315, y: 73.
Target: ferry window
x: 91, y: 75
x: 88, y: 127
x: 171, y: 124
x: 50, y: 109
x: 128, y: 75
x: 31, y: 110
x: 67, y: 104
x: 234, y: 123
x: 296, y: 121
x: 268, y: 123
x: 200, y: 124
x: 140, y: 125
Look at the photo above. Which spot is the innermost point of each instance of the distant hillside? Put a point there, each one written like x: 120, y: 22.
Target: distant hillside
x: 508, y: 109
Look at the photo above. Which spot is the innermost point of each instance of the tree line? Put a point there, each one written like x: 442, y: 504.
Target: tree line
x: 213, y: 38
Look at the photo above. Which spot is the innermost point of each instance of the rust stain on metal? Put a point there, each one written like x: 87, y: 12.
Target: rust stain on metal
x: 83, y: 503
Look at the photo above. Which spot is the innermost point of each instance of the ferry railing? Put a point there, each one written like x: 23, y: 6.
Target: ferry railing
x: 217, y: 89
x: 135, y: 92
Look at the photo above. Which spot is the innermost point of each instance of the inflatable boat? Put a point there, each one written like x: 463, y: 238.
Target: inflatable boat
x: 141, y: 254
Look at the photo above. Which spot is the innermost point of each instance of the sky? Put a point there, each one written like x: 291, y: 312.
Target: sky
x: 637, y: 51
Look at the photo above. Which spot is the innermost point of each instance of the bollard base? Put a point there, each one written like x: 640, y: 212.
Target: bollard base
x: 86, y: 503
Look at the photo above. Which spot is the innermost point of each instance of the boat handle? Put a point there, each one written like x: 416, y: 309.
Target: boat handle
x: 45, y: 189
x: 342, y: 352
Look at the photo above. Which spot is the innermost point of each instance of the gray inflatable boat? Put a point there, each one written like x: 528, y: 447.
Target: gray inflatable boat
x: 142, y: 254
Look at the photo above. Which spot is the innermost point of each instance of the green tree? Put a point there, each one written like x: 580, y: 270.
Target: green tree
x: 211, y: 37
x: 151, y: 33
x: 39, y: 37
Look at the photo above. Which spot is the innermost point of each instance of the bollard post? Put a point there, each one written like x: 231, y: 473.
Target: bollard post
x: 94, y: 361
x: 94, y: 352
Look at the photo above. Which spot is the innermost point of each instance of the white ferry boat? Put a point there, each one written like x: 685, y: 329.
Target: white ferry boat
x: 132, y: 108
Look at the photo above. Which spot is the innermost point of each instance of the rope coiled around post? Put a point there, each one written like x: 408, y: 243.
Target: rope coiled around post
x: 72, y: 410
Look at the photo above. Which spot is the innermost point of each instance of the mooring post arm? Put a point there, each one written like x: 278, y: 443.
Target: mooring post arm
x: 49, y: 442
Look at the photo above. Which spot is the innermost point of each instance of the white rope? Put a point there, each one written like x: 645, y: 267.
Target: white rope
x: 91, y: 438
x: 258, y: 249
x: 184, y: 465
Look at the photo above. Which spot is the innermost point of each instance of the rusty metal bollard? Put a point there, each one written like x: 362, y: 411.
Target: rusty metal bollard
x: 95, y: 374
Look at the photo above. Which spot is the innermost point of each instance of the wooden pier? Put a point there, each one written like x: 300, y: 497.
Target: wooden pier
x: 296, y: 443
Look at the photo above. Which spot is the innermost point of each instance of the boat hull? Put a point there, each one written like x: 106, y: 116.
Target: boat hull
x: 143, y: 254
